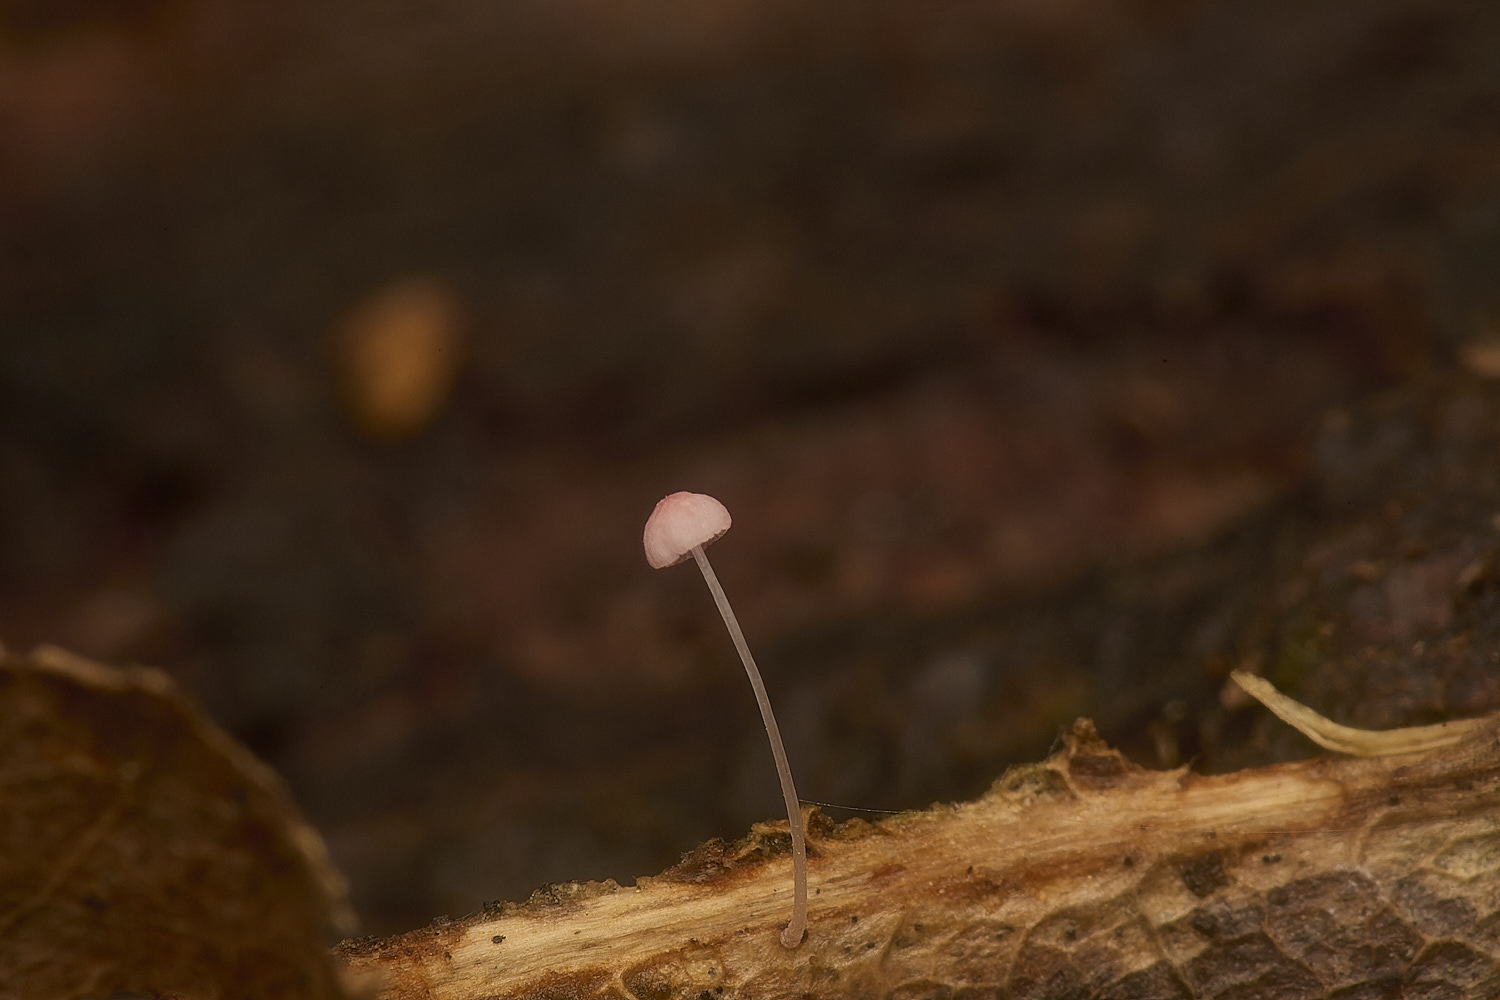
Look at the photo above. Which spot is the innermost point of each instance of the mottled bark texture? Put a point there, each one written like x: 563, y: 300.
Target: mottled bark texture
x: 1080, y: 877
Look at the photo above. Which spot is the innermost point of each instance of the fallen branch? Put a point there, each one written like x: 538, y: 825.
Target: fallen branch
x: 1082, y: 876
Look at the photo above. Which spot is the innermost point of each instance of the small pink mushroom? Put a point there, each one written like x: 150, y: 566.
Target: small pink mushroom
x: 680, y: 526
x: 680, y: 522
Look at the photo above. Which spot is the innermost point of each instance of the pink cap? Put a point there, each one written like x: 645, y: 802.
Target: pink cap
x: 679, y: 522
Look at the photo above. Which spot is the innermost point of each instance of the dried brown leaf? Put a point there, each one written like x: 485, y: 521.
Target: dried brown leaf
x: 142, y: 849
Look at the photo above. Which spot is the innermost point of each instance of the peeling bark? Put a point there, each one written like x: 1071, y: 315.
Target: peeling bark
x: 1083, y: 876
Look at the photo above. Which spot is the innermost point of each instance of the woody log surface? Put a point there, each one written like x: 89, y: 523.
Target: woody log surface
x: 1083, y: 876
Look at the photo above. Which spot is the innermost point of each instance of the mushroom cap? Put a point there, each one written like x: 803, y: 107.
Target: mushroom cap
x: 679, y: 522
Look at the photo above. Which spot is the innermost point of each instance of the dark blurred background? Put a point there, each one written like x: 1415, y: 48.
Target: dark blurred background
x: 345, y: 347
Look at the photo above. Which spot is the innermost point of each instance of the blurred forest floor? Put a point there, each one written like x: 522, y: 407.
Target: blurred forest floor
x: 1053, y: 359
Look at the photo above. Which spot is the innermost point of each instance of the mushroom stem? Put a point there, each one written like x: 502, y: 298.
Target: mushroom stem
x: 791, y: 934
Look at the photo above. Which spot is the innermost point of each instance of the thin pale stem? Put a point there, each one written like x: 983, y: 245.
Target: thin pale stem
x: 791, y: 934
